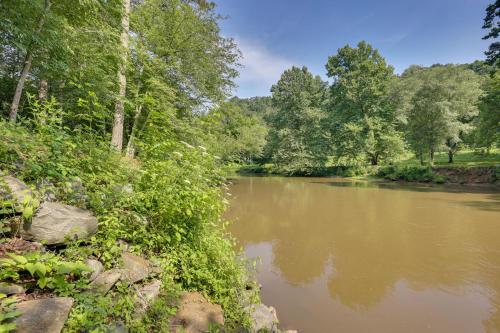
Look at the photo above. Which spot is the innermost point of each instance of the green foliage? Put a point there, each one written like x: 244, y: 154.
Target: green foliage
x: 47, y: 270
x: 7, y: 313
x: 437, y: 106
x: 166, y: 205
x: 487, y: 134
x: 235, y: 136
x: 410, y: 174
x: 492, y: 24
x: 296, y: 141
x: 362, y: 119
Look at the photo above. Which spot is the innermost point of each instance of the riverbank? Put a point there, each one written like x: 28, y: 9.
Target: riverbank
x: 477, y: 175
x: 93, y: 241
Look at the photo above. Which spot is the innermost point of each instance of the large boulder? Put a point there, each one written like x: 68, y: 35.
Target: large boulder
x: 196, y: 315
x: 263, y: 318
x: 135, y: 268
x: 45, y: 315
x: 54, y: 223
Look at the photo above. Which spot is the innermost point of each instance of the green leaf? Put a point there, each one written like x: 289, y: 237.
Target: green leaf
x: 4, y: 328
x: 42, y: 282
x: 41, y: 269
x: 19, y: 259
x: 30, y: 267
x: 11, y: 314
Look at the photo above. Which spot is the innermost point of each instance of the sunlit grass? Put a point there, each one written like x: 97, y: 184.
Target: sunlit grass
x: 465, y: 158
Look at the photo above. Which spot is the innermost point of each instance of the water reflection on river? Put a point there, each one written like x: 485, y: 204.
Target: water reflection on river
x: 353, y: 256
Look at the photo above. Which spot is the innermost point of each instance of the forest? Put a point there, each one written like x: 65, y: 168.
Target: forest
x: 124, y: 108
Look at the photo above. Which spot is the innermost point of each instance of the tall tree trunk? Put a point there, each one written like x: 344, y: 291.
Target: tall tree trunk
x: 431, y: 157
x: 117, y: 135
x: 450, y: 156
x: 14, y: 107
x: 421, y: 156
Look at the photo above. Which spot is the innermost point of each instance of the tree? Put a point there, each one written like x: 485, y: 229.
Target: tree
x: 179, y: 62
x: 297, y: 141
x: 460, y: 88
x: 362, y: 119
x: 431, y: 120
x: 30, y: 49
x: 487, y: 132
x: 117, y: 135
x: 35, y: 37
x: 492, y: 23
x: 234, y: 134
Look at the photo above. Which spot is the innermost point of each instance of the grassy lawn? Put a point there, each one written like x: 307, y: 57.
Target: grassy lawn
x: 465, y: 158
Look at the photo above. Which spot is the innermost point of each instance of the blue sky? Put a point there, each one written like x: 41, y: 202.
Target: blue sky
x: 275, y: 34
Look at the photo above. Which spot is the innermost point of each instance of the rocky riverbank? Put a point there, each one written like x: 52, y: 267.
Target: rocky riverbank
x: 46, y: 226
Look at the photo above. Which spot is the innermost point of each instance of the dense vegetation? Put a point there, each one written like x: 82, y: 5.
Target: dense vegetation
x: 113, y: 96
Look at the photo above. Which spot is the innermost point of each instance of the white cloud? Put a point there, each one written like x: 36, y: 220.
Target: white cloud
x: 261, y: 68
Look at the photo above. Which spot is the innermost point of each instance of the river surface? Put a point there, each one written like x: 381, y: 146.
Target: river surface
x: 338, y: 255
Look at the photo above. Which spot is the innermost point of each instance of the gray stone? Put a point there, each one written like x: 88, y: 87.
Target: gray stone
x: 148, y: 294
x: 105, y: 281
x: 55, y: 222
x: 18, y: 189
x: 45, y: 315
x: 135, y: 268
x: 118, y: 327
x: 11, y: 289
x: 196, y: 314
x: 96, y: 268
x: 263, y: 318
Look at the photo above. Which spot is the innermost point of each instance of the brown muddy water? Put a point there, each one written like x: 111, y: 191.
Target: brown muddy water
x: 339, y: 255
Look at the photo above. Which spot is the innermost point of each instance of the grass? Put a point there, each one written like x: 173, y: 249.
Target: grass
x: 464, y: 158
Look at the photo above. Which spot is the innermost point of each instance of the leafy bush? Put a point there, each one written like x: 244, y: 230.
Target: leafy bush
x: 47, y: 269
x: 166, y: 205
x: 410, y: 174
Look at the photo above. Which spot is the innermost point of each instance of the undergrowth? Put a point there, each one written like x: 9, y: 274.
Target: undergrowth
x: 166, y: 205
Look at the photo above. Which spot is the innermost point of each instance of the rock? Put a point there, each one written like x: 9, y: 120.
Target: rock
x: 55, y: 222
x: 135, y: 268
x: 196, y: 314
x: 11, y: 289
x: 19, y: 189
x: 291, y: 331
x: 263, y: 318
x: 45, y: 315
x: 96, y: 268
x: 147, y: 294
x: 106, y: 280
x: 117, y: 327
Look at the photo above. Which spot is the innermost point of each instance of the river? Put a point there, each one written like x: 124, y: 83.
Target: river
x: 340, y: 255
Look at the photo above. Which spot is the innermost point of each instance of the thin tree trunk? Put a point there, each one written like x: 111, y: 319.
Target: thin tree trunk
x: 450, y: 156
x: 131, y: 141
x: 117, y: 135
x: 14, y: 107
x: 130, y: 152
x: 42, y: 90
x: 421, y: 156
x: 431, y: 157
x: 42, y: 97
